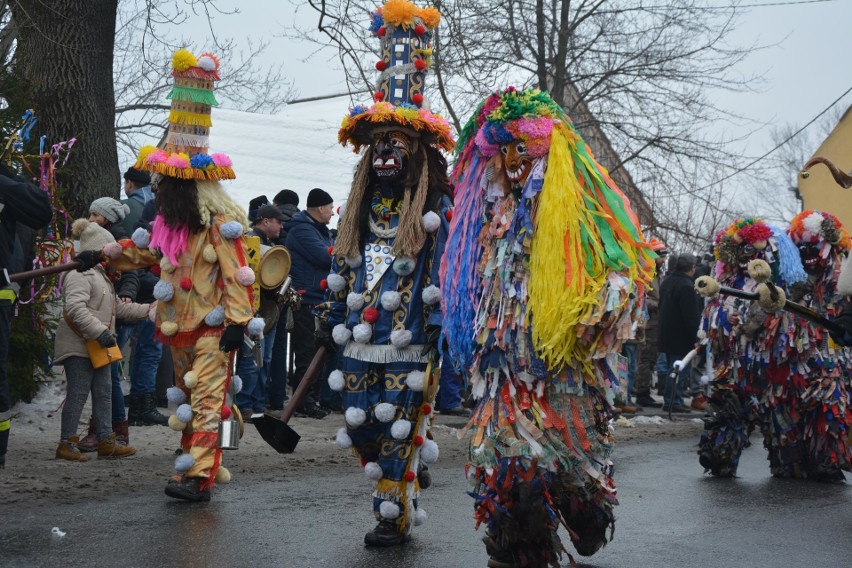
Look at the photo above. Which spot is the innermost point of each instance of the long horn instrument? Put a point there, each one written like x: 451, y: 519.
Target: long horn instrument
x: 843, y: 179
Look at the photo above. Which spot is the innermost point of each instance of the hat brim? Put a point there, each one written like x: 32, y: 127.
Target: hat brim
x: 359, y: 126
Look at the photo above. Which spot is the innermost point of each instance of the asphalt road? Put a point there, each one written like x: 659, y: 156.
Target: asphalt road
x: 670, y: 515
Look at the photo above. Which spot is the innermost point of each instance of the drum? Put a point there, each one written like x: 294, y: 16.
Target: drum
x: 274, y: 266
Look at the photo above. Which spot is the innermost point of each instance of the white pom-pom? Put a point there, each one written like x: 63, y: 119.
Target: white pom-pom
x: 419, y: 516
x: 223, y: 476
x: 245, y: 276
x: 373, y: 471
x: 238, y: 383
x: 168, y: 328
x: 391, y: 300
x: 190, y: 379
x: 401, y: 429
x: 164, y: 291
x: 255, y: 327
x: 336, y: 282
x: 813, y: 223
x: 355, y: 301
x: 208, y: 253
x: 341, y: 334
x: 354, y: 261
x: 429, y: 452
x: 184, y: 463
x: 404, y: 265
x: 431, y: 295
x: 362, y: 333
x: 355, y: 416
x: 112, y: 250
x: 175, y: 395
x: 184, y: 413
x: 384, y: 412
x: 208, y: 64
x: 431, y: 222
x: 231, y: 230
x: 175, y: 424
x: 166, y: 265
x: 705, y: 379
x: 400, y: 338
x: 344, y: 442
x: 388, y: 510
x: 141, y: 238
x: 336, y: 381
x: 215, y: 317
x: 415, y: 380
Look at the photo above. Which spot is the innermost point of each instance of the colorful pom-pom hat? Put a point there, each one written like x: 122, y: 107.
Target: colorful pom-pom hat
x: 405, y: 32
x: 187, y: 141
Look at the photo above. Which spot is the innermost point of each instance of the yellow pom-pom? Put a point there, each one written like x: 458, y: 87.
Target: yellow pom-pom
x: 166, y: 265
x: 223, y: 475
x: 759, y: 270
x: 183, y: 59
x: 190, y: 379
x: 169, y: 328
x: 209, y: 254
x: 770, y: 298
x: 144, y: 152
x: 706, y: 286
x: 431, y: 17
x: 176, y: 424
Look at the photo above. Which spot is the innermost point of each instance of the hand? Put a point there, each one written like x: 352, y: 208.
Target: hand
x: 232, y: 338
x: 88, y: 259
x: 125, y: 300
x: 433, y: 335
x: 152, y: 311
x: 107, y: 339
x: 323, y: 337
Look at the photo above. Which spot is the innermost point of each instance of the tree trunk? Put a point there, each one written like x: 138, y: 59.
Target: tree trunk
x: 65, y: 54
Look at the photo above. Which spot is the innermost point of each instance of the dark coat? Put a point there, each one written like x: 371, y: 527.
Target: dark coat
x: 147, y: 279
x: 844, y: 320
x: 308, y: 242
x: 287, y: 211
x: 128, y: 285
x: 680, y: 315
x: 20, y: 202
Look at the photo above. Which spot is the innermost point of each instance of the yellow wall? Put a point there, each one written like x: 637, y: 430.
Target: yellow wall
x: 819, y: 190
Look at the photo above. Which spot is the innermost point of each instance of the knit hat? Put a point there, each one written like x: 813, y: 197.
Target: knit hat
x: 318, y: 198
x: 269, y: 211
x: 91, y: 235
x: 111, y: 209
x: 286, y: 197
x: 139, y: 177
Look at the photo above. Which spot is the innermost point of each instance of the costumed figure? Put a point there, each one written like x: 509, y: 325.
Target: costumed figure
x: 750, y: 379
x: 823, y: 366
x: 544, y: 276
x: 205, y: 300
x: 382, y: 306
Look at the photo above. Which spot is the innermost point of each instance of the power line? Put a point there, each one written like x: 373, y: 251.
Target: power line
x: 720, y: 7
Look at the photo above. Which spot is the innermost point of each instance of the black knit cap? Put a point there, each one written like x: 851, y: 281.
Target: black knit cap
x: 317, y: 198
x: 286, y: 197
x: 139, y: 177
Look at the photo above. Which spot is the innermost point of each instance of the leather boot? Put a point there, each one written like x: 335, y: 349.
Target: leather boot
x: 109, y: 449
x: 69, y: 451
x: 188, y: 489
x: 134, y: 414
x: 89, y: 443
x: 150, y: 414
x: 385, y: 534
x: 122, y: 436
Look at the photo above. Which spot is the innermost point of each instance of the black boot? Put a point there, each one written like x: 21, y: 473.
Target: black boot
x: 134, y: 413
x: 150, y: 414
x: 188, y: 489
x: 385, y: 534
x: 4, y: 443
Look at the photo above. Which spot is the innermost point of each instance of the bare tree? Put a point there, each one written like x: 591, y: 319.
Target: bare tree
x: 643, y: 76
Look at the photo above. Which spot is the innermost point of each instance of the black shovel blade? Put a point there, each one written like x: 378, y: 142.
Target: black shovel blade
x: 277, y: 434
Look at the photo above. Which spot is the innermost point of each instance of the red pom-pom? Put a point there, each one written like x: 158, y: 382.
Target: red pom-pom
x: 426, y: 409
x: 410, y: 476
x: 382, y: 31
x: 323, y: 285
x: 330, y: 250
x: 420, y: 29
x: 379, y: 96
x: 418, y: 440
x: 226, y: 412
x: 381, y: 65
x: 449, y: 214
x: 417, y: 99
x: 420, y: 64
x: 156, y: 270
x: 371, y: 315
x: 185, y: 284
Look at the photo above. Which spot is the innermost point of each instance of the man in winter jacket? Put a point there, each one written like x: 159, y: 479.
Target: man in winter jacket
x: 137, y: 187
x: 309, y: 242
x: 20, y: 202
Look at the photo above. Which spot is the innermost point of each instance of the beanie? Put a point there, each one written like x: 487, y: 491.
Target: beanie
x: 286, y: 197
x: 139, y: 177
x: 110, y: 209
x: 318, y: 198
x: 91, y: 235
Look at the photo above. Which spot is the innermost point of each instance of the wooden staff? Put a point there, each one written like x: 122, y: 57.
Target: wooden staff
x: 28, y: 274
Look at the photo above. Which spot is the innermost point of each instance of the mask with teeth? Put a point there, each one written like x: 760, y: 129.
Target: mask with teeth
x: 517, y: 163
x: 392, y: 150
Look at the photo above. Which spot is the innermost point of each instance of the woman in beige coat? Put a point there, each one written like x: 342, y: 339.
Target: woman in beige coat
x: 90, y: 308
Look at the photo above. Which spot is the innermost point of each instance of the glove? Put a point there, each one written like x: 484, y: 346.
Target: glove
x: 322, y: 336
x: 107, y: 339
x: 88, y: 259
x: 232, y: 338
x: 433, y: 335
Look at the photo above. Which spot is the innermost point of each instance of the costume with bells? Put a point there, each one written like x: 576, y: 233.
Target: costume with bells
x: 749, y: 355
x: 382, y: 307
x: 205, y: 290
x: 544, y: 277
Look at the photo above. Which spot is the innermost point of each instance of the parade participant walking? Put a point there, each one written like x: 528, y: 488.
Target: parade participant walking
x: 383, y: 306
x: 535, y: 310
